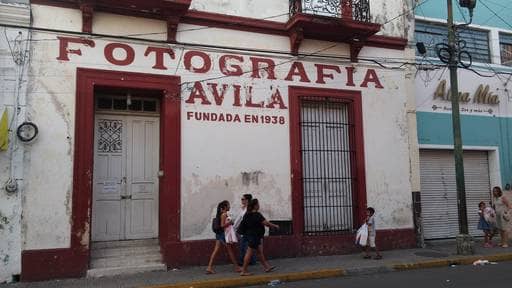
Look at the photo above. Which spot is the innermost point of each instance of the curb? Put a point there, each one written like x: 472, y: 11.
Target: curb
x: 257, y: 279
x: 331, y: 273
x: 451, y: 261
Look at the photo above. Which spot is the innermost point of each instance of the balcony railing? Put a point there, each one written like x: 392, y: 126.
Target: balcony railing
x: 358, y: 10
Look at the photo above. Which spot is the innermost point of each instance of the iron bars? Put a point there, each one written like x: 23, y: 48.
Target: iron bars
x: 358, y: 10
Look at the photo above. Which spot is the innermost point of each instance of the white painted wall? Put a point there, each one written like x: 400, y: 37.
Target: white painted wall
x: 12, y: 91
x: 214, y: 155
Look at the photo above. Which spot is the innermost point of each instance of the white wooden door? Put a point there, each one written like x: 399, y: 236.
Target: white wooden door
x: 125, y: 191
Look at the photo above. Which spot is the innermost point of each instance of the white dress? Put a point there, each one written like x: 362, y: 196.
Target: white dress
x: 229, y: 232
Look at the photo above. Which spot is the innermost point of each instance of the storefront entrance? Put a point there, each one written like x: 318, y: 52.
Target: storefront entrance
x: 439, y: 193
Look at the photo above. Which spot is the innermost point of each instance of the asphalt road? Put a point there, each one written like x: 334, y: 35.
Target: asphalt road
x: 489, y: 276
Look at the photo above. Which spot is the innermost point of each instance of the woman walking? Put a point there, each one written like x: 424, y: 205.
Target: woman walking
x: 253, y: 227
x: 502, y: 206
x: 224, y: 223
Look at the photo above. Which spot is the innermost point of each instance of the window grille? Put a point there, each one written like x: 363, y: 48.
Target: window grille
x: 327, y: 158
x: 506, y: 49
x: 477, y: 41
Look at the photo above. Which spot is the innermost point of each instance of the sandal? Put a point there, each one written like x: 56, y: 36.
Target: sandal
x: 367, y: 257
x: 270, y: 269
x: 378, y: 257
x: 209, y: 272
x: 245, y: 274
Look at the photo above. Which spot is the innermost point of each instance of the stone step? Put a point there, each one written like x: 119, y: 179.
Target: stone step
x: 113, y: 252
x: 125, y: 261
x: 111, y: 271
x: 124, y: 243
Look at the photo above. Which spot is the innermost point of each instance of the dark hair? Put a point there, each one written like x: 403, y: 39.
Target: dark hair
x: 500, y: 193
x: 371, y: 210
x: 481, y: 202
x: 247, y: 197
x: 252, y: 204
x: 221, y: 206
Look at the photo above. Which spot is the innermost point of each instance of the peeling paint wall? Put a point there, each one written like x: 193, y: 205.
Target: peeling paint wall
x: 219, y: 160
x: 12, y: 91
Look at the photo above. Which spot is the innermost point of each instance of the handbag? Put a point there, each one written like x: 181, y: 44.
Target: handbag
x: 362, y: 235
x: 506, y: 216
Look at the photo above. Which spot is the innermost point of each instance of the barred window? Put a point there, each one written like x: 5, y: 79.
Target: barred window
x: 477, y: 41
x: 327, y: 158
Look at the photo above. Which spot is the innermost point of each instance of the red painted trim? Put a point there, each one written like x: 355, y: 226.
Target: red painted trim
x: 217, y: 20
x: 353, y: 99
x: 74, y: 261
x: 197, y: 252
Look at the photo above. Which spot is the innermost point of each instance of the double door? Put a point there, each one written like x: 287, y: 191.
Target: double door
x: 125, y: 187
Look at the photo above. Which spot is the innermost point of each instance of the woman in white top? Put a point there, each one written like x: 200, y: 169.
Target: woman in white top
x: 502, y: 207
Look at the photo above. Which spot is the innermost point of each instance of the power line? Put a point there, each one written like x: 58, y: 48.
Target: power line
x: 496, y: 14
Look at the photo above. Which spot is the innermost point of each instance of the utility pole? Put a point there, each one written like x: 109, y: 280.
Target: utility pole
x: 464, y: 240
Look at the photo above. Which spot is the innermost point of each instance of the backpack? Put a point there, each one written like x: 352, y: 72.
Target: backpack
x: 216, y: 226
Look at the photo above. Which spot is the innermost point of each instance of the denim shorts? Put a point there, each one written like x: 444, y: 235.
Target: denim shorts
x: 221, y: 237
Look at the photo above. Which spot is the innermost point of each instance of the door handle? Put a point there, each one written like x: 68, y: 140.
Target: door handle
x: 125, y: 197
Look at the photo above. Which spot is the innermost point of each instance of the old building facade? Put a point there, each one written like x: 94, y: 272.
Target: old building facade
x: 149, y: 113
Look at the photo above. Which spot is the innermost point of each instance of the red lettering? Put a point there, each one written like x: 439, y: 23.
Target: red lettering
x: 276, y: 100
x: 236, y: 96
x: 63, y: 46
x: 350, y: 76
x: 207, y: 62
x: 297, y: 69
x: 270, y: 65
x: 224, y: 68
x: 159, y: 56
x: 219, y: 97
x: 321, y: 74
x: 248, y: 99
x: 109, y: 54
x: 371, y: 76
x: 198, y: 93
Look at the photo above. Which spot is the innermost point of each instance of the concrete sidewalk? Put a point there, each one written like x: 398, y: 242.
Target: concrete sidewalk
x: 436, y: 254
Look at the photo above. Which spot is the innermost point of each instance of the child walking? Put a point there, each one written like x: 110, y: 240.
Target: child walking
x: 370, y: 221
x: 253, y: 227
x: 220, y: 237
x: 486, y: 223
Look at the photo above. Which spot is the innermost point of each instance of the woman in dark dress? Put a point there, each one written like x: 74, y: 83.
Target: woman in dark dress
x: 253, y: 227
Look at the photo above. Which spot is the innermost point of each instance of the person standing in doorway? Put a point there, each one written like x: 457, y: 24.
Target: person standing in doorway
x: 246, y: 198
x: 253, y: 227
x: 221, y: 222
x: 502, y: 207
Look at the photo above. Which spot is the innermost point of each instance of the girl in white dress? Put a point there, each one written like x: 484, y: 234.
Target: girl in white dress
x: 229, y: 230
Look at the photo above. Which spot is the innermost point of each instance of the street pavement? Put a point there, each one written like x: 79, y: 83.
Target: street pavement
x: 499, y: 275
x: 436, y: 254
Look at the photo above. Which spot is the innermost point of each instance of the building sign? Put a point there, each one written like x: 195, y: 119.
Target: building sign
x: 482, y: 95
x: 477, y: 95
x: 213, y: 91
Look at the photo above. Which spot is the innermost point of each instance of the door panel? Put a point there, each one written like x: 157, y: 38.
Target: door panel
x: 109, y: 173
x: 142, y: 209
